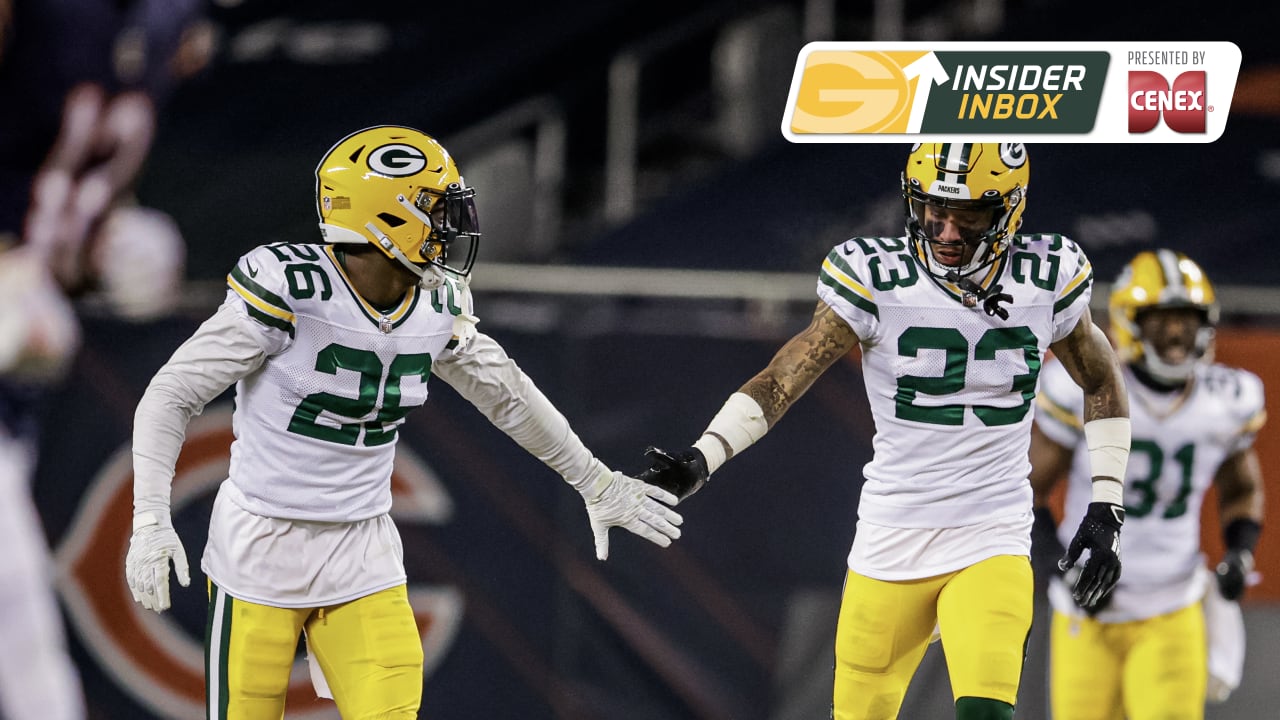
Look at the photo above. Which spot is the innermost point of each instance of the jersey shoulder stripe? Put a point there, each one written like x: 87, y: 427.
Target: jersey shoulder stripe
x: 251, y: 279
x: 1081, y: 283
x: 840, y: 276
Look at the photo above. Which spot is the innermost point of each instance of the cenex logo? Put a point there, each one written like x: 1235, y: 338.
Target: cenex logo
x: 1183, y: 104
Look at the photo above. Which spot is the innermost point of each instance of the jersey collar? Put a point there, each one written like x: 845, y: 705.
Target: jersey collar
x: 384, y: 321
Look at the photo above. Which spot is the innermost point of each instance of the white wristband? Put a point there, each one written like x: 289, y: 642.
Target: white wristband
x: 1108, y: 491
x: 144, y: 519
x: 738, y: 424
x: 1108, y: 442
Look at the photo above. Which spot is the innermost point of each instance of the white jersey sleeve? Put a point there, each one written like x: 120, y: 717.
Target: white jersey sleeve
x: 483, y: 373
x: 261, y: 282
x: 1245, y: 399
x: 1052, y: 261
x: 225, y: 348
x: 843, y: 284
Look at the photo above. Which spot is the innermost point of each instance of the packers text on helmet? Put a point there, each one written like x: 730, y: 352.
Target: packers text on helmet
x: 984, y: 182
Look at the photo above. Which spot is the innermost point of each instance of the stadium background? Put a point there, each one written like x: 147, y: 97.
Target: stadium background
x: 650, y: 240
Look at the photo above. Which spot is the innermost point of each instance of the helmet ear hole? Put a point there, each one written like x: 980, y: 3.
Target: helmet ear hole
x: 394, y: 221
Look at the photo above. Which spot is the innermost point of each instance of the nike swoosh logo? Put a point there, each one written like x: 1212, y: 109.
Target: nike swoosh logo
x: 437, y: 170
x: 253, y: 271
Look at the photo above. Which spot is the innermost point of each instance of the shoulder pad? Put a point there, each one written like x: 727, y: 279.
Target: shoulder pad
x: 259, y: 279
x: 845, y: 271
x: 1242, y: 392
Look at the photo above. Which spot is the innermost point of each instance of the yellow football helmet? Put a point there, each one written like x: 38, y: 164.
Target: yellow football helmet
x: 1156, y: 279
x: 399, y: 190
x: 966, y: 176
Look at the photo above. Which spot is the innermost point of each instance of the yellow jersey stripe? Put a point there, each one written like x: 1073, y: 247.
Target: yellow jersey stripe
x: 260, y: 304
x: 830, y: 269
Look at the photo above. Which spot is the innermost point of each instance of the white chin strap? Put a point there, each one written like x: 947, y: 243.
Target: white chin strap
x: 431, y: 276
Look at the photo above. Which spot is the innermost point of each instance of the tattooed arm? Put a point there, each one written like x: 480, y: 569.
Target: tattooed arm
x: 1089, y: 360
x: 799, y: 363
x: 757, y: 406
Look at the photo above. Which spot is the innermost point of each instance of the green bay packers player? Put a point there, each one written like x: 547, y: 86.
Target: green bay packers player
x: 954, y: 321
x: 1141, y: 654
x: 330, y: 346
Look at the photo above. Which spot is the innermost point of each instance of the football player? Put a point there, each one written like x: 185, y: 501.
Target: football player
x: 330, y: 346
x: 953, y: 321
x: 1141, y: 653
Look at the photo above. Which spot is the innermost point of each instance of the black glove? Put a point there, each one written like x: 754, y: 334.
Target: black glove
x: 681, y: 475
x: 1099, y: 533
x: 1233, y: 573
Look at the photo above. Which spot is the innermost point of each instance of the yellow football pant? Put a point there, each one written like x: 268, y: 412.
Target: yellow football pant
x: 369, y: 649
x: 1154, y: 669
x: 984, y: 612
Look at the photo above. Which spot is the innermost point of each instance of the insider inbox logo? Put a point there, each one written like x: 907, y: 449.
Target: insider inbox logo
x: 1117, y: 92
x: 1181, y: 103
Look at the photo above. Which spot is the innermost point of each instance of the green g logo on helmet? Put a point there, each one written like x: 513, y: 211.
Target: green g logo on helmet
x: 397, y: 160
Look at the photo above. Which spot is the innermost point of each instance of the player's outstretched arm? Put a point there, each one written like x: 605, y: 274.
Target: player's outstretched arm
x: 757, y: 406
x: 481, y: 372
x: 219, y: 353
x: 1089, y: 359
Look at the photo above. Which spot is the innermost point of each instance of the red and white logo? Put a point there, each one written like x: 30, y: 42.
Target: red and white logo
x: 1183, y: 105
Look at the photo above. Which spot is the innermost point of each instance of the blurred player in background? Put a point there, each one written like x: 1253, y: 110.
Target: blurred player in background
x: 330, y: 347
x: 953, y: 321
x: 79, y: 84
x: 1141, y: 653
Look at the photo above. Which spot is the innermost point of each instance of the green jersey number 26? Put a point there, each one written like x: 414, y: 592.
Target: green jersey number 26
x: 336, y: 357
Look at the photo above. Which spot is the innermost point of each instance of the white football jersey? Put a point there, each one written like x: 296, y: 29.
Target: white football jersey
x: 315, y: 426
x: 1180, y: 439
x: 951, y: 388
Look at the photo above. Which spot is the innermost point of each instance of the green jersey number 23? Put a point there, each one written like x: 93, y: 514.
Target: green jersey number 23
x: 952, y: 380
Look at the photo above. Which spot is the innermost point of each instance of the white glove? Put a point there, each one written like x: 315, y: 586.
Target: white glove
x: 146, y: 567
x: 633, y: 505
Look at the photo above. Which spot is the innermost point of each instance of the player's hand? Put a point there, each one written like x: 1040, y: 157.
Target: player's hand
x: 1099, y: 533
x: 635, y: 506
x: 1071, y: 577
x: 153, y: 545
x: 681, y: 475
x: 1233, y: 573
